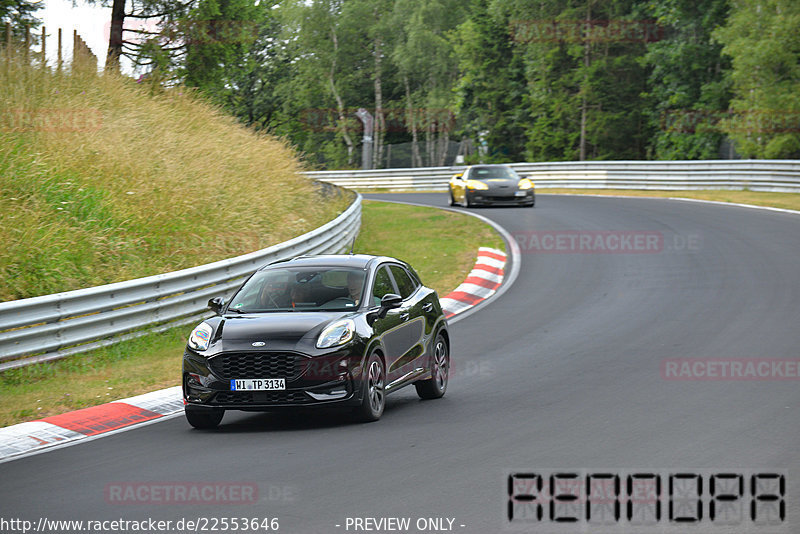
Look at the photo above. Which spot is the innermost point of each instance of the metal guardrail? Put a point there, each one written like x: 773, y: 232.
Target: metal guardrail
x: 54, y: 326
x: 755, y: 175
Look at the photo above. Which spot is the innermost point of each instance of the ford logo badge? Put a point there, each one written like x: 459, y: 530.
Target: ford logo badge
x: 259, y: 344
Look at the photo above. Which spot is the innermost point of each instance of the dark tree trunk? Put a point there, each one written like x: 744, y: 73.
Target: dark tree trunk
x: 115, y: 35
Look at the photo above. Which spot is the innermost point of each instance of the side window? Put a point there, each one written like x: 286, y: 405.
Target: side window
x: 404, y: 282
x: 382, y: 285
x: 414, y: 276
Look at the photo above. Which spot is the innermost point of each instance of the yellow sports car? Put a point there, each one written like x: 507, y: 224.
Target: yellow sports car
x: 491, y: 184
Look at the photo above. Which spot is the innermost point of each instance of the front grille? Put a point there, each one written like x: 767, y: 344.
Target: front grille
x: 257, y: 365
x: 261, y: 397
x: 504, y: 198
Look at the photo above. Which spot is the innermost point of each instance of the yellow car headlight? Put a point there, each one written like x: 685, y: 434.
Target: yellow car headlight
x: 525, y: 184
x: 476, y: 184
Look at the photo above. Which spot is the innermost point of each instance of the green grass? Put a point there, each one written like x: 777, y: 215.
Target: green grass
x: 789, y: 201
x: 442, y: 247
x: 129, y: 368
x: 103, y: 180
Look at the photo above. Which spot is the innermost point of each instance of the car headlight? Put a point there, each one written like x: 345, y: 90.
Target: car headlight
x: 337, y: 333
x: 476, y: 184
x: 200, y: 337
x: 525, y: 184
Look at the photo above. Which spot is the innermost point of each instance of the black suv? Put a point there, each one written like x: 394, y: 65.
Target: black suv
x: 317, y: 331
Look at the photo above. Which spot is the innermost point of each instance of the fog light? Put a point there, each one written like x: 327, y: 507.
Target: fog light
x: 195, y: 380
x: 336, y: 392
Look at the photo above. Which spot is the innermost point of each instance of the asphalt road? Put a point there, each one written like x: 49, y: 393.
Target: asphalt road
x: 565, y: 371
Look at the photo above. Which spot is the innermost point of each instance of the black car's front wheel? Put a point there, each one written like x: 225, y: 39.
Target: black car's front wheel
x: 374, y: 398
x: 203, y: 419
x: 436, y: 385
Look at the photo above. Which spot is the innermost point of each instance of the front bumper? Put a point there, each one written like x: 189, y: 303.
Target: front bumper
x: 332, y: 379
x: 483, y: 197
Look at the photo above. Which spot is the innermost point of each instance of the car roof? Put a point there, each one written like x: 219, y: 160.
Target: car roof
x: 358, y: 261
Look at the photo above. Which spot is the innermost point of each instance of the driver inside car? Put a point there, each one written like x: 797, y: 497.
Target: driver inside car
x: 355, y: 286
x: 274, y: 294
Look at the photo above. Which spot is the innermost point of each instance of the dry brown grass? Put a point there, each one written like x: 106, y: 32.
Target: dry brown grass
x: 102, y: 181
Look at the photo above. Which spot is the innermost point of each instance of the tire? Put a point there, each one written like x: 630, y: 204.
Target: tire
x: 204, y: 419
x: 451, y: 201
x: 374, y: 398
x: 436, y: 386
x: 467, y: 203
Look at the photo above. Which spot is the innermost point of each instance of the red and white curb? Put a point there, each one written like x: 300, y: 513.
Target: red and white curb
x: 481, y: 283
x: 57, y: 430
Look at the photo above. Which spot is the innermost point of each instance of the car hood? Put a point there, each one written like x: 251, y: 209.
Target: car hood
x: 500, y: 184
x: 266, y: 326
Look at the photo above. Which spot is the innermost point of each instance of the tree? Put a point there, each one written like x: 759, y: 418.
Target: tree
x: 428, y: 67
x: 688, y: 92
x: 217, y: 37
x: 330, y: 63
x: 491, y: 85
x: 584, y: 77
x: 369, y: 22
x: 762, y: 38
x: 19, y: 13
x: 258, y: 84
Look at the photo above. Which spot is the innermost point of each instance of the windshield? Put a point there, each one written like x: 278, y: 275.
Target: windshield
x: 300, y: 289
x: 494, y: 172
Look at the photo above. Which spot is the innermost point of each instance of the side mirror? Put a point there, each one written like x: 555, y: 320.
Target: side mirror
x: 216, y: 305
x: 389, y: 302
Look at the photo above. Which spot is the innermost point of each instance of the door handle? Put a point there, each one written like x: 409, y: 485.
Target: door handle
x: 427, y: 307
x: 404, y: 316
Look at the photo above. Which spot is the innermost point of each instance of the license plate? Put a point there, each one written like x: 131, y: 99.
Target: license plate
x: 520, y: 193
x: 258, y: 384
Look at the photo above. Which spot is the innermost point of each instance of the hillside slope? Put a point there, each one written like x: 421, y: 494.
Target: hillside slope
x: 102, y: 181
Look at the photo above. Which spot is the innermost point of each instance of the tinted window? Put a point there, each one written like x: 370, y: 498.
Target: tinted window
x: 299, y: 289
x: 382, y: 286
x: 404, y: 282
x: 414, y: 276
